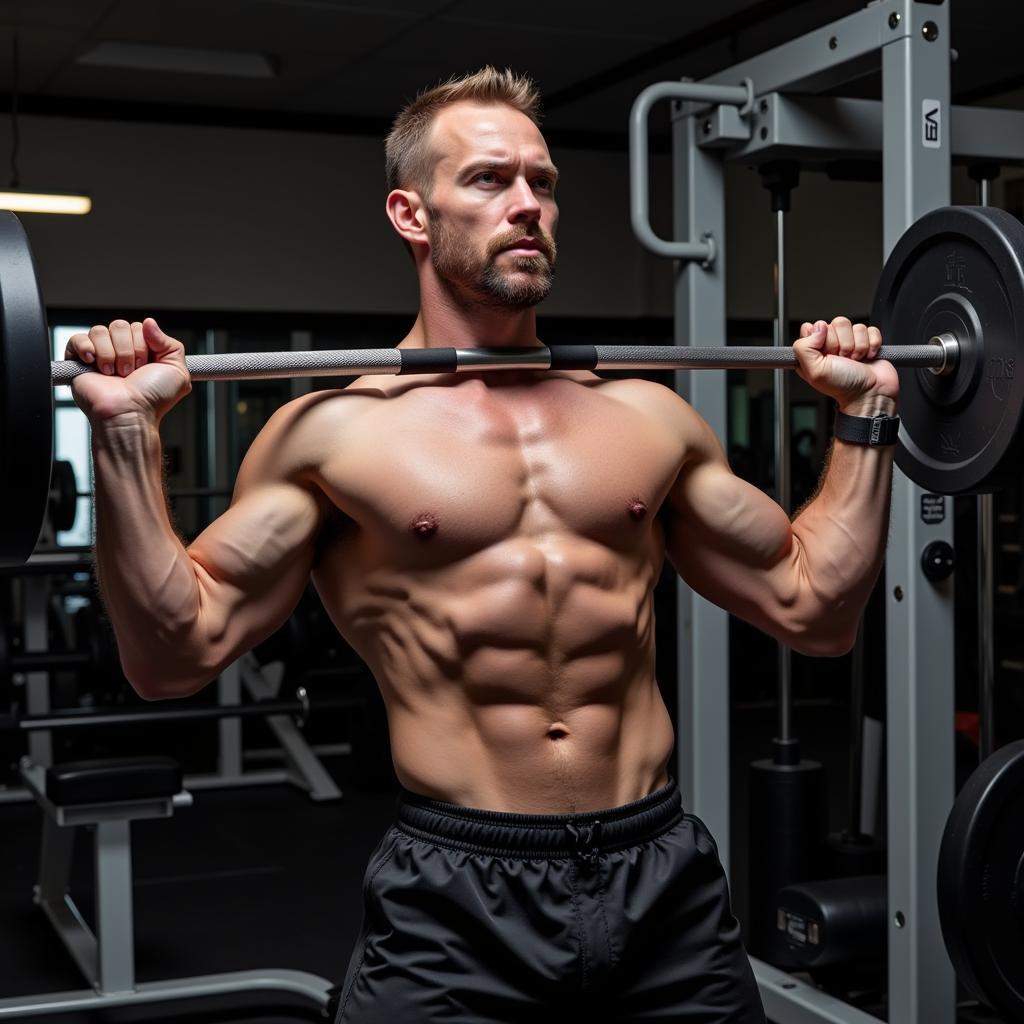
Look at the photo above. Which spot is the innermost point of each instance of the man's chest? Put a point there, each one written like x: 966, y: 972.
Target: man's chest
x: 461, y: 470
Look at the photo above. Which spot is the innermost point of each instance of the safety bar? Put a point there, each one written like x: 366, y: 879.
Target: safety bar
x: 639, y: 191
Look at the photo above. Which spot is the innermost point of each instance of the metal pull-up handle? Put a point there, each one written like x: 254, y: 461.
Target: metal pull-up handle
x: 639, y: 186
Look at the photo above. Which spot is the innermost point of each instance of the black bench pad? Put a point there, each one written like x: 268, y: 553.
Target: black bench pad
x: 112, y: 779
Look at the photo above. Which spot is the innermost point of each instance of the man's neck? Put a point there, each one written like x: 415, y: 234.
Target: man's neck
x: 444, y: 323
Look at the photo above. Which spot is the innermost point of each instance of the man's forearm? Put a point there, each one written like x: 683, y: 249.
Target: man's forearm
x: 146, y: 577
x: 842, y: 533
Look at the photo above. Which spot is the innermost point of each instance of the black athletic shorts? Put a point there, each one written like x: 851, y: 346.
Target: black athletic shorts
x: 479, y: 917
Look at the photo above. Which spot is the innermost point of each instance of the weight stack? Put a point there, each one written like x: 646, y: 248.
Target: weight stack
x: 788, y: 825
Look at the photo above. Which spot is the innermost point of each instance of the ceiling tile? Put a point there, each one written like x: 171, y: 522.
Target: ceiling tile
x: 365, y: 59
x: 41, y: 52
x: 55, y: 14
x: 653, y: 20
x: 246, y: 25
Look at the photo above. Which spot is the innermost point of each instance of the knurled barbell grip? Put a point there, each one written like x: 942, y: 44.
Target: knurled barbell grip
x: 748, y: 357
x: 360, y: 362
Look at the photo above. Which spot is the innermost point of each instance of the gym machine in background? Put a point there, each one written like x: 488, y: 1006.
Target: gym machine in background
x: 774, y: 107
x: 103, y: 798
x: 30, y: 663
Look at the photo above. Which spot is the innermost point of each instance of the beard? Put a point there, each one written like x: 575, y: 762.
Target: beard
x: 519, y: 282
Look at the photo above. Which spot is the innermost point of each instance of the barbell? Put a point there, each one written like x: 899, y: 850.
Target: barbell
x: 950, y: 302
x: 62, y: 507
x: 301, y: 707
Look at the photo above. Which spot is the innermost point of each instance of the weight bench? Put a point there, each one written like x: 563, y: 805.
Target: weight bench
x: 108, y: 795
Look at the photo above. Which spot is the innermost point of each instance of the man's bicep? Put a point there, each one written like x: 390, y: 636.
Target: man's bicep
x: 729, y: 541
x: 253, y: 562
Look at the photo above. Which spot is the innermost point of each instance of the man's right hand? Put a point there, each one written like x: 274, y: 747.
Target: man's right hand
x: 140, y: 370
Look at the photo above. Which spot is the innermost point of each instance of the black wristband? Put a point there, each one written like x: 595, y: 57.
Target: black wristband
x: 870, y: 430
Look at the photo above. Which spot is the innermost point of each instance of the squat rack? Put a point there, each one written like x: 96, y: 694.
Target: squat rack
x: 751, y: 113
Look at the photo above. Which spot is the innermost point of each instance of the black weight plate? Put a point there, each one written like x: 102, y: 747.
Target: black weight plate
x: 26, y: 397
x: 63, y: 495
x: 958, y: 270
x: 981, y: 882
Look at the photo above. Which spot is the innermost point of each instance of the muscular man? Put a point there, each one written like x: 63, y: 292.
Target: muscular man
x: 489, y: 543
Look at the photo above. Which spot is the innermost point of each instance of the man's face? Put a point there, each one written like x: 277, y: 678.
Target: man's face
x: 492, y: 207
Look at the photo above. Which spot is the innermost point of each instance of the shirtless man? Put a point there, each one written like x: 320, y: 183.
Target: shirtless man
x: 489, y: 544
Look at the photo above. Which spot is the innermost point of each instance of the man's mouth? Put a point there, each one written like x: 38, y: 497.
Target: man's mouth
x: 525, y: 247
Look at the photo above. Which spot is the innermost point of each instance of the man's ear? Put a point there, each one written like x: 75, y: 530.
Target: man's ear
x: 407, y: 213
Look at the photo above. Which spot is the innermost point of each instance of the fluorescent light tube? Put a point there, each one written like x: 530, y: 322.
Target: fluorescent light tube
x: 22, y: 201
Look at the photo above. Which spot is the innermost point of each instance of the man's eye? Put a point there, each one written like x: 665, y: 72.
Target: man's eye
x: 544, y: 184
x: 487, y: 177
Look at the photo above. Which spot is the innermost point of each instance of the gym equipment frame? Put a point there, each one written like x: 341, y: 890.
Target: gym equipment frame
x: 917, y: 134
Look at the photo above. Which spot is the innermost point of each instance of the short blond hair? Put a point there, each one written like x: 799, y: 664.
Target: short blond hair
x: 407, y: 158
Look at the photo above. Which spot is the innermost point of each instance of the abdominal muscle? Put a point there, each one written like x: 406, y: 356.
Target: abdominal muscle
x: 520, y: 679
x: 513, y: 757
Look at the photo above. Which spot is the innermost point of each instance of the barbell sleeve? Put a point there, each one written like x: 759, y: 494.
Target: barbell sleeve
x: 936, y: 355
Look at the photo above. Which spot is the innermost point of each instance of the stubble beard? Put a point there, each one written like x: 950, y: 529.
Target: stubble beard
x: 521, y: 283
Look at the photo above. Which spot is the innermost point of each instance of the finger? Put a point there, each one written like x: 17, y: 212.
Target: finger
x: 124, y: 347
x: 832, y: 340
x: 811, y: 340
x: 139, y: 345
x: 80, y: 347
x: 159, y: 343
x: 860, y: 341
x: 844, y: 335
x: 818, y: 336
x: 874, y: 342
x: 105, y: 355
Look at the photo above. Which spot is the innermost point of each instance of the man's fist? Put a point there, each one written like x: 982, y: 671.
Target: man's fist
x: 140, y: 370
x: 839, y: 360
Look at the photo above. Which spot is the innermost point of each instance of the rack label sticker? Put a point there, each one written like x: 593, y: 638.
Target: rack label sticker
x: 933, y: 509
x: 931, y: 124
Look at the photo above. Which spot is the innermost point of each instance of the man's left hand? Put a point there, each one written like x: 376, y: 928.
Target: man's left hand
x: 838, y: 359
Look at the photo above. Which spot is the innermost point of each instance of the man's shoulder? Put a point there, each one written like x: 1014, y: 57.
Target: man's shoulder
x: 649, y: 396
x: 306, y: 423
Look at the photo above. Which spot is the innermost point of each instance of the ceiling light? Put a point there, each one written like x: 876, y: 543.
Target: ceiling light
x: 22, y: 201
x: 178, y: 59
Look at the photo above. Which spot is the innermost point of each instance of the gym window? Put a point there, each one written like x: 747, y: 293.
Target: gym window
x: 71, y: 441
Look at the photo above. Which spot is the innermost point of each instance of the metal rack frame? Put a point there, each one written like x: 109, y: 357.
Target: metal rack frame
x: 918, y: 135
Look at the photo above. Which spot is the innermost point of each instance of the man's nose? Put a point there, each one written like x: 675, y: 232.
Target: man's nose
x: 525, y: 205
